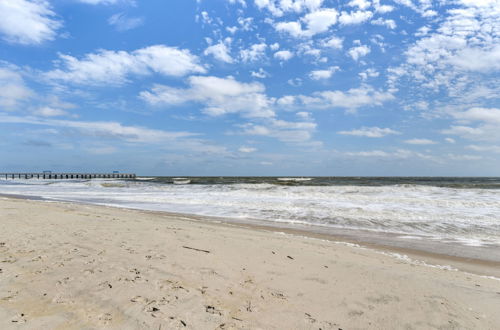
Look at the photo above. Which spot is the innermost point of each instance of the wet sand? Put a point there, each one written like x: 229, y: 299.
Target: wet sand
x: 75, y: 266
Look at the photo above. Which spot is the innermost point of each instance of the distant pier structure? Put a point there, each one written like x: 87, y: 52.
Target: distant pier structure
x: 60, y: 176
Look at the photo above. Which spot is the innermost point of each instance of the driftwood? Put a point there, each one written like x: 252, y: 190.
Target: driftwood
x: 199, y: 250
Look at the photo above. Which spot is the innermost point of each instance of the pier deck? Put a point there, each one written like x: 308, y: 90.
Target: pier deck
x: 60, y: 176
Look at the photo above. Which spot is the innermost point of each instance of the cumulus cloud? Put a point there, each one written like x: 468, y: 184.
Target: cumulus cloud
x: 285, y: 131
x: 219, y: 96
x: 114, y: 67
x: 481, y: 124
x: 359, y: 51
x: 27, y: 22
x: 356, y: 17
x: 488, y: 115
x: 333, y: 42
x: 352, y: 99
x: 261, y: 74
x: 254, y: 52
x: 279, y: 7
x: 371, y: 132
x: 315, y: 22
x: 369, y: 73
x: 323, y: 74
x: 361, y: 4
x: 389, y: 23
x: 220, y: 51
x: 13, y: 90
x: 283, y: 55
x: 460, y: 55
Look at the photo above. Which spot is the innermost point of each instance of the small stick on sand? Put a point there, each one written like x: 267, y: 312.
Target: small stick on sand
x: 192, y: 248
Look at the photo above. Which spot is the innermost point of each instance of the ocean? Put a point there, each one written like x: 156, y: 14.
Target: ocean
x: 455, y: 216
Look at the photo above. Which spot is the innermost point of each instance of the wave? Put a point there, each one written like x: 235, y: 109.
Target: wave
x: 465, y: 216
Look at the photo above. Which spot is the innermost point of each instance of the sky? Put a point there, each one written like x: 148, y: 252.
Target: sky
x: 251, y: 87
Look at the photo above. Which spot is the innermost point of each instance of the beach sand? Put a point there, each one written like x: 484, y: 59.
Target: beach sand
x: 66, y: 266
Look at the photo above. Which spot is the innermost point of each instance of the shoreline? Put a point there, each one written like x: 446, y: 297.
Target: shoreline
x: 68, y: 265
x: 477, y: 266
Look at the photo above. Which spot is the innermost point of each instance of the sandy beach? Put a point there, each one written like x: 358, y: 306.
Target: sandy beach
x: 70, y: 266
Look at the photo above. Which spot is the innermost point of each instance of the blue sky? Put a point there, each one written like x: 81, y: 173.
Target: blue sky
x: 251, y: 87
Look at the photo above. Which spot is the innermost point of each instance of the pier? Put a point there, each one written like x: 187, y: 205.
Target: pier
x: 64, y: 176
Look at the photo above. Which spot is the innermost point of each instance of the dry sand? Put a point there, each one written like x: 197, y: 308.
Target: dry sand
x: 84, y: 267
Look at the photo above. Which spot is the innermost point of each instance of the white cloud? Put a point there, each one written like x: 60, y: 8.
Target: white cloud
x: 316, y: 22
x: 458, y: 56
x: 450, y: 140
x: 484, y: 148
x: 320, y: 21
x: 247, y: 149
x: 464, y: 157
x: 356, y: 17
x: 486, y: 121
x: 351, y: 100
x: 103, y: 129
x: 477, y: 59
x: 114, y: 67
x: 371, y: 132
x: 398, y: 154
x: 285, y: 131
x: 280, y: 7
x: 261, y: 74
x: 488, y: 115
x: 361, y: 4
x: 27, y: 22
x: 304, y: 115
x: 12, y: 89
x: 130, y: 134
x: 283, y: 55
x: 369, y: 73
x: 323, y: 74
x: 254, y: 53
x: 50, y: 112
x: 218, y: 95
x: 220, y: 52
x: 292, y: 28
x: 389, y: 23
x: 286, y: 100
x: 333, y: 42
x: 241, y: 2
x: 420, y: 141
x: 359, y: 51
x: 246, y: 23
x: 123, y: 23
x: 382, y: 9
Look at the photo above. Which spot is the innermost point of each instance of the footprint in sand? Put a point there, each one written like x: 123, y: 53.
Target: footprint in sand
x: 64, y: 281
x: 105, y: 318
x: 19, y: 318
x: 140, y: 299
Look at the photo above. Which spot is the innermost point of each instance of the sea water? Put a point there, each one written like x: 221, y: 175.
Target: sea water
x: 463, y: 213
